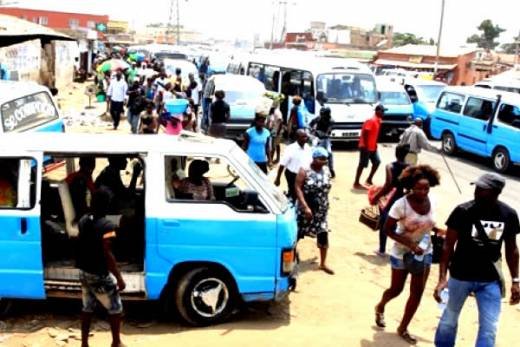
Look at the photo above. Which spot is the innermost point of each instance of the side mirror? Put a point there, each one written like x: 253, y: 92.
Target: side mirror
x: 320, y: 96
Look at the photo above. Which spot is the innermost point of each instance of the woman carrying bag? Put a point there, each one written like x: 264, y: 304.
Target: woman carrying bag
x: 410, y: 223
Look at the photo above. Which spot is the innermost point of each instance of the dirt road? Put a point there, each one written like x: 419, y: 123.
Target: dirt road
x: 324, y: 311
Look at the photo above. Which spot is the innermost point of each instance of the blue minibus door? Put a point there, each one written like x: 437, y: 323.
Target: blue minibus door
x: 21, y: 265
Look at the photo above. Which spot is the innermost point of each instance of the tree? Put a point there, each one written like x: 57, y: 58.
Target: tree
x: 488, y: 35
x: 510, y: 48
x: 401, y: 39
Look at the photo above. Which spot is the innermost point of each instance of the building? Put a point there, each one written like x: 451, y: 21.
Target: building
x: 116, y: 27
x: 165, y: 34
x: 58, y: 20
x: 349, y: 37
x: 456, y: 66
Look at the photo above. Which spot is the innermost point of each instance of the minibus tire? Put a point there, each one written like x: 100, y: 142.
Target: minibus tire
x: 192, y: 308
x: 447, y: 136
x: 501, y: 154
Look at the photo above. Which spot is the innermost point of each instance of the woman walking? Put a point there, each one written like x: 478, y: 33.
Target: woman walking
x: 392, y: 187
x: 312, y: 191
x: 412, y: 219
x: 256, y: 143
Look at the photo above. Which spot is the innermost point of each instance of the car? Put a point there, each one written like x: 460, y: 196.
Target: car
x: 399, y: 107
x: 424, y: 95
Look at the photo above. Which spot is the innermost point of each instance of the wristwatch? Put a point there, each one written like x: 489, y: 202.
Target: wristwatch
x: 516, y: 280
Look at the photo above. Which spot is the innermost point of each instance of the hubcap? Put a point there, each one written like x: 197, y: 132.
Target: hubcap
x: 500, y: 160
x: 209, y: 297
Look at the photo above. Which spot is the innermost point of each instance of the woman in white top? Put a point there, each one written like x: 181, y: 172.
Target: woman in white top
x: 412, y: 219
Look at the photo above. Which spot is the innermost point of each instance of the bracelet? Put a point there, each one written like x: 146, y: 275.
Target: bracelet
x: 516, y: 280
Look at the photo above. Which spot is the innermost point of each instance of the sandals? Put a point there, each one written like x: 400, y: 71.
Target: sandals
x: 380, y: 319
x: 327, y: 270
x: 405, y: 335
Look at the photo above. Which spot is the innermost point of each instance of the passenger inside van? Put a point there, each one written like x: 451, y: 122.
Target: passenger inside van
x: 196, y: 186
x: 8, y: 197
x: 110, y: 178
x: 81, y: 182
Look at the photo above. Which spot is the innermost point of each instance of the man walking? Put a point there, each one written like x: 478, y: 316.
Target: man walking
x: 296, y: 156
x: 96, y: 262
x: 478, y: 228
x: 368, y: 147
x: 415, y: 137
x: 116, y: 95
x: 136, y: 104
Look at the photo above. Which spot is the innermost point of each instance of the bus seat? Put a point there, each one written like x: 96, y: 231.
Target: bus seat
x: 68, y: 210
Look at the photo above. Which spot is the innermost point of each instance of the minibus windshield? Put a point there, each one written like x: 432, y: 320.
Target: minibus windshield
x: 349, y: 88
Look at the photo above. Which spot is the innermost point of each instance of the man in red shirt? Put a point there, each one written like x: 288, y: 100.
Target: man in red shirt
x: 368, y: 146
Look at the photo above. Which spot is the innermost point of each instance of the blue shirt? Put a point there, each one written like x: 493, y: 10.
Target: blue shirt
x: 257, y: 143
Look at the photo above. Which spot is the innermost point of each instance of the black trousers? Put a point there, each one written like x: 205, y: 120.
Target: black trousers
x: 291, y: 182
x: 116, y: 108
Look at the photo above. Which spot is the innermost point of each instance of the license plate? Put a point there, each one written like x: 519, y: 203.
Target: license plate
x: 350, y: 134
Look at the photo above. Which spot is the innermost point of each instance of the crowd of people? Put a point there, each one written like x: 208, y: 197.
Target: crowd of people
x: 475, y: 230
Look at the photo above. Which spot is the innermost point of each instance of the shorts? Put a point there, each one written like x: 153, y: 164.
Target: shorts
x: 100, y: 289
x: 365, y: 156
x: 398, y: 264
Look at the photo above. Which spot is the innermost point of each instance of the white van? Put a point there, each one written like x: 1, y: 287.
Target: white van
x: 503, y: 84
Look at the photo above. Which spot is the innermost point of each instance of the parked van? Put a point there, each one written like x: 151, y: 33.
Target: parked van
x: 200, y: 257
x: 481, y: 121
x: 28, y: 106
x: 243, y: 94
x: 399, y: 108
x: 504, y: 84
x: 424, y: 95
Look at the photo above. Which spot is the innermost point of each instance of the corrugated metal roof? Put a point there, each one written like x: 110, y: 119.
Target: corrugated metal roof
x: 431, y: 51
x: 15, y: 27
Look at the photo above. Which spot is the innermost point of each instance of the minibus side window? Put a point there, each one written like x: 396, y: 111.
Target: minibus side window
x: 210, y: 180
x: 451, y: 102
x: 509, y: 115
x: 17, y: 183
x: 479, y: 108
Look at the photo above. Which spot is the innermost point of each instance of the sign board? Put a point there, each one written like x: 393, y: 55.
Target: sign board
x: 102, y: 27
x: 92, y: 35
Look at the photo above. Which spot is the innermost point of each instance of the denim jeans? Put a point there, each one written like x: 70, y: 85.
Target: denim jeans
x: 327, y: 144
x: 488, y: 298
x: 133, y: 119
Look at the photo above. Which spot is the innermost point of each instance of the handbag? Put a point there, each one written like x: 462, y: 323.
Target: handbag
x: 371, y: 217
x: 412, y: 264
x: 497, y: 264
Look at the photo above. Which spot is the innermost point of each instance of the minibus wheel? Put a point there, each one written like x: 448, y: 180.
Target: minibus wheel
x: 501, y: 160
x: 205, y: 296
x: 449, y: 146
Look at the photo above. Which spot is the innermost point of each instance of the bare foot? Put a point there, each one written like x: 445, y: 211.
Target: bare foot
x: 359, y: 187
x: 405, y: 335
x: 369, y: 184
x: 326, y: 269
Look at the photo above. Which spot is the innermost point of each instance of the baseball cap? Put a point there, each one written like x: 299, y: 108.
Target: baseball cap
x: 490, y: 181
x: 380, y: 107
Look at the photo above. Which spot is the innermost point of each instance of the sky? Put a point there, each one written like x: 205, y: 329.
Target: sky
x: 244, y: 18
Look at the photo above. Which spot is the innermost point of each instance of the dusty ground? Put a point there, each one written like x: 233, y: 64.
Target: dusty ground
x: 324, y: 311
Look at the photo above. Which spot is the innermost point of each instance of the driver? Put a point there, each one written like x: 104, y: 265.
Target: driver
x: 196, y: 185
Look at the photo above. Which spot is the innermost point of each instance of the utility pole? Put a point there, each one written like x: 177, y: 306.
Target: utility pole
x: 439, y: 39
x: 178, y: 23
x: 272, y: 27
x: 170, y: 21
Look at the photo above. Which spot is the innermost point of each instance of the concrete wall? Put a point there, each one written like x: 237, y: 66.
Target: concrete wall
x: 64, y: 54
x: 23, y: 60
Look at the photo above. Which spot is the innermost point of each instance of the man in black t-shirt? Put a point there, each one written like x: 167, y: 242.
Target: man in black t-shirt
x: 477, y: 229
x: 96, y: 262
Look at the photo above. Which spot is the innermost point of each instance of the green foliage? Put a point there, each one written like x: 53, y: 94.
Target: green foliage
x: 488, y: 35
x: 401, y: 39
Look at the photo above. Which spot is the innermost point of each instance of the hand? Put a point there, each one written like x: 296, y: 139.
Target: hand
x: 121, y: 285
x: 417, y: 250
x: 308, y: 213
x: 440, y: 287
x: 515, y: 294
x: 373, y: 201
x: 277, y: 182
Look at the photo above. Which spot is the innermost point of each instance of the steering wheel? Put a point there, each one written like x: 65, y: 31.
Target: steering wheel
x: 230, y: 184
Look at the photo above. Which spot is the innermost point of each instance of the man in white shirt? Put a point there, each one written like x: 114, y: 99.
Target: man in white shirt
x: 116, y: 95
x: 415, y: 137
x: 296, y: 156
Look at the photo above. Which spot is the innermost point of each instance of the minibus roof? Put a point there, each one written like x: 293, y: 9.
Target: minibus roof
x: 423, y: 82
x: 311, y: 63
x: 72, y: 143
x: 507, y: 97
x: 11, y: 90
